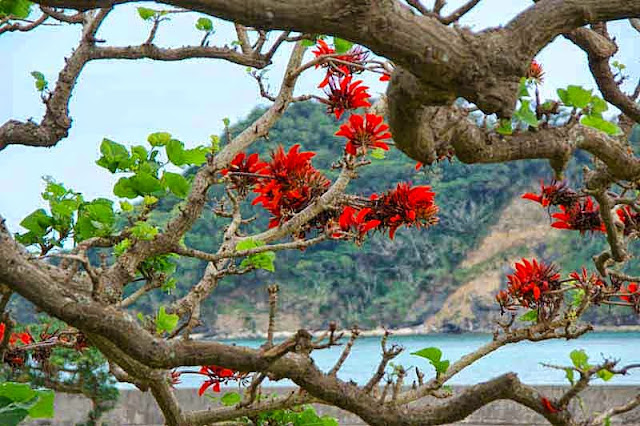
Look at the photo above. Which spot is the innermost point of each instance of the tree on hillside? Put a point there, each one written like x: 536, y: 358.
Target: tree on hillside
x: 453, y: 94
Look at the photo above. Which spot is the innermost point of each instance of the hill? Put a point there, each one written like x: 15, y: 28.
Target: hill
x: 443, y: 278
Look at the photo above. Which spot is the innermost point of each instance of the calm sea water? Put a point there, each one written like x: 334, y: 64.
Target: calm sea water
x: 523, y: 358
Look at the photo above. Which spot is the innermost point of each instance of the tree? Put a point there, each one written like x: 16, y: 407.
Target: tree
x: 440, y: 74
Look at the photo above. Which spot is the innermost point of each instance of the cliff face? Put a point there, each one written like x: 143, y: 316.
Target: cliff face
x: 519, y: 232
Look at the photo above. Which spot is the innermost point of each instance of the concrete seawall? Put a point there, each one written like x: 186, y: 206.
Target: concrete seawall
x: 137, y: 408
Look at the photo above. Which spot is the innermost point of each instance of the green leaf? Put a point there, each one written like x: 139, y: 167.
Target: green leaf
x: 601, y: 124
x: 175, y: 152
x: 124, y: 188
x: 169, y: 285
x: 145, y: 184
x: 434, y: 356
x: 378, y: 154
x: 308, y: 43
x: 204, y: 24
x: 41, y: 81
x: 262, y: 260
x: 121, y: 247
x: 607, y: 421
x: 126, y: 206
x: 505, y: 127
x: 37, y: 222
x: 526, y: 115
x: 215, y: 143
x: 569, y: 374
x: 576, y: 297
x: 17, y: 8
x: 176, y: 183
x: 139, y: 153
x: 146, y: 13
x: 532, y: 315
x: 115, y: 157
x: 159, y: 138
x: 523, y: 90
x: 226, y: 121
x: 43, y: 408
x: 95, y: 219
x: 575, y: 96
x: 165, y: 322
x: 605, y: 374
x: 149, y: 200
x: 342, y: 45
x: 195, y: 156
x: 598, y: 106
x: 17, y: 392
x: 144, y: 231
x: 230, y: 398
x: 580, y: 359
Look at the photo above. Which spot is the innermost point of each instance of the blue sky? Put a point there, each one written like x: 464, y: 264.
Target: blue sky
x: 127, y: 100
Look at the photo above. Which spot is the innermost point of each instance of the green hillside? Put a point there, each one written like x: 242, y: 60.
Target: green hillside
x: 392, y: 283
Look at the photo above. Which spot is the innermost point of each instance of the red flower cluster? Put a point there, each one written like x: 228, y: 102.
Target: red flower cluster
x: 243, y: 170
x: 405, y: 205
x: 585, y: 280
x: 363, y: 132
x: 290, y: 183
x: 580, y: 216
x: 629, y: 218
x: 529, y: 286
x: 216, y: 376
x: 356, y: 57
x: 15, y: 357
x: 343, y: 94
x: 535, y: 72
x: 556, y: 194
x: 632, y: 294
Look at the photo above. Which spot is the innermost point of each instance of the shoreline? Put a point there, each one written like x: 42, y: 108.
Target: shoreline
x: 379, y: 332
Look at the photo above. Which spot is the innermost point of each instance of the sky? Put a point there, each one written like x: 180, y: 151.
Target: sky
x: 126, y: 100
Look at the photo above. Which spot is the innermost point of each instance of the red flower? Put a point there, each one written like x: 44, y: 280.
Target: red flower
x: 290, y: 184
x: 385, y: 77
x: 535, y: 72
x: 25, y: 338
x: 584, y: 279
x: 243, y: 170
x: 529, y: 285
x: 555, y: 194
x: 356, y: 58
x: 548, y: 405
x: 364, y: 131
x: 632, y: 293
x: 581, y: 217
x: 216, y: 376
x: 629, y: 218
x: 323, y: 49
x: 2, y: 328
x: 243, y: 164
x: 405, y: 206
x: 344, y: 95
x: 357, y: 219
